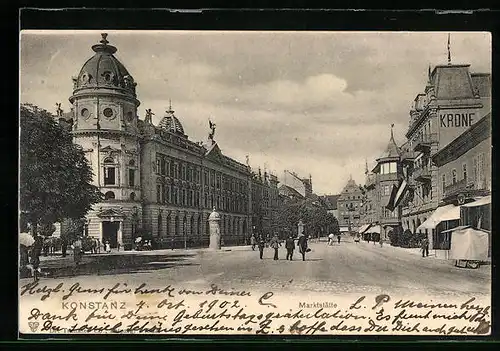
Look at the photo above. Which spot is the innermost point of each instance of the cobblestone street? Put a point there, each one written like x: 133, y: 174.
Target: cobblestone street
x: 343, y: 268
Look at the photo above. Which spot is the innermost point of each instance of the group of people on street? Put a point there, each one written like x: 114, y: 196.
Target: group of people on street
x: 275, y: 243
x: 331, y: 239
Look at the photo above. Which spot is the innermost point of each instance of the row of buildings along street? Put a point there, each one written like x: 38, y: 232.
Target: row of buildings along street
x: 161, y: 185
x: 436, y: 180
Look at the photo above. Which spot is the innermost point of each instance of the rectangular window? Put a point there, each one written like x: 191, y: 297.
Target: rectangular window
x: 464, y: 171
x: 158, y: 193
x: 453, y: 176
x: 443, y: 181
x: 167, y: 194
x: 109, y: 175
x: 157, y: 170
x: 482, y: 168
x: 387, y: 190
x: 131, y: 177
x: 163, y: 170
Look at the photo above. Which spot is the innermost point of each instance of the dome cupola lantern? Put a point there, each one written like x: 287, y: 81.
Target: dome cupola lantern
x: 103, y: 70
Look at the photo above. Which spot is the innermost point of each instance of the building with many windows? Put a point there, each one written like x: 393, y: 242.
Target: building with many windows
x: 349, y: 206
x: 464, y: 173
x: 454, y: 99
x: 154, y: 178
x: 386, y: 174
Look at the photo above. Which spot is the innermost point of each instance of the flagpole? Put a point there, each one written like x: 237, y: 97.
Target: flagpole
x: 449, y: 51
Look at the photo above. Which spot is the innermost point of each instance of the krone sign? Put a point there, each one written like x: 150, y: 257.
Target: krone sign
x: 452, y: 119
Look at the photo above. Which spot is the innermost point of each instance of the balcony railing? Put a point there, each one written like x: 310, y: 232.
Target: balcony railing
x: 424, y: 142
x: 422, y: 175
x: 456, y: 188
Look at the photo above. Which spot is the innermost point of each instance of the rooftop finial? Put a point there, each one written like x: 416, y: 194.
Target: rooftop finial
x: 104, y: 41
x: 449, y: 50
x: 429, y: 74
x: 366, y: 166
x: 170, y: 111
x: 392, y: 133
x: 103, y: 45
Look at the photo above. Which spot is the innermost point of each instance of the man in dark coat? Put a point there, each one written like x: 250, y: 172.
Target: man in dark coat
x: 262, y: 244
x: 290, y: 246
x: 302, y: 244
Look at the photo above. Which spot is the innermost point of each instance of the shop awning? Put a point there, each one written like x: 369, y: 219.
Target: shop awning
x: 363, y: 228
x: 479, y: 202
x: 375, y: 229
x: 444, y: 213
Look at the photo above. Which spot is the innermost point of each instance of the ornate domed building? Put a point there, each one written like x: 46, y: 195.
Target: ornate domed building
x: 156, y: 181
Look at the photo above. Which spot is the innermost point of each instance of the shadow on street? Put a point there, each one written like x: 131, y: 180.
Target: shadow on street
x: 115, y: 264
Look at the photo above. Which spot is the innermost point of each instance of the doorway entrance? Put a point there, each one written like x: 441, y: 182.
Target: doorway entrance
x: 110, y: 233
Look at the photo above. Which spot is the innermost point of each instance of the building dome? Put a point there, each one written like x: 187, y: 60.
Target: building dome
x: 214, y: 216
x: 170, y: 123
x: 104, y: 70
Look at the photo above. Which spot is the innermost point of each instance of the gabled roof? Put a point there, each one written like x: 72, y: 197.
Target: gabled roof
x: 289, y: 191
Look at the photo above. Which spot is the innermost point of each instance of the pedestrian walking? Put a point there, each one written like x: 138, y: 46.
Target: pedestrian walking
x: 338, y: 238
x: 425, y: 247
x: 275, y: 244
x: 261, y: 245
x: 77, y: 251
x: 253, y: 242
x: 36, y: 251
x: 290, y: 246
x: 302, y: 244
x: 107, y: 246
x: 330, y: 239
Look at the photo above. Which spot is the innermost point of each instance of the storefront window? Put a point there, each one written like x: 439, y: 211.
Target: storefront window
x: 454, y: 176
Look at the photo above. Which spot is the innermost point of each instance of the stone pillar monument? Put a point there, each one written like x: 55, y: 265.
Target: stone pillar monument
x: 300, y: 228
x: 213, y: 222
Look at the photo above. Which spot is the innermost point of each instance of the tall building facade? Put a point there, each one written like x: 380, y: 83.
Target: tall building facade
x: 154, y: 178
x: 378, y: 188
x: 464, y: 174
x: 349, y: 206
x: 454, y: 99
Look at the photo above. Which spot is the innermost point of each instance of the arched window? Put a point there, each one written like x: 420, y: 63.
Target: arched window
x: 109, y: 171
x: 199, y: 225
x: 454, y: 176
x: 132, y: 196
x: 131, y: 163
x: 109, y: 195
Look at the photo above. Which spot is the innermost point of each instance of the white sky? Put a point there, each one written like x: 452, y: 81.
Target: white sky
x: 316, y: 103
